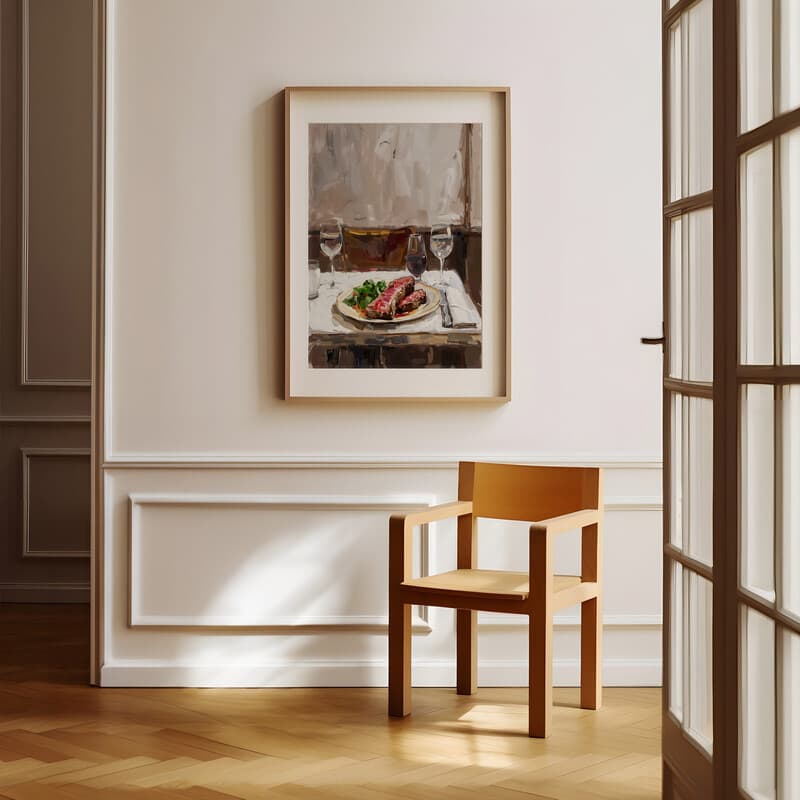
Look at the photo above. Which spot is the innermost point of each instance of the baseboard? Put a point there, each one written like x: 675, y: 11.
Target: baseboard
x: 289, y: 674
x: 44, y: 593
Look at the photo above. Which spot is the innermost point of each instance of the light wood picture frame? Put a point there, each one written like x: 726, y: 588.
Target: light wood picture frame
x: 374, y: 177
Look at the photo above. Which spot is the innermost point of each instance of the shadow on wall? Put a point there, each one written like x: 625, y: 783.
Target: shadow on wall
x: 268, y: 227
x: 308, y: 586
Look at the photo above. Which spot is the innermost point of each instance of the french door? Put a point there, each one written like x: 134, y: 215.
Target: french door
x: 731, y: 80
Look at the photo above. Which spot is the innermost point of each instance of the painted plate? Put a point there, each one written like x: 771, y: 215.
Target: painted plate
x: 434, y: 298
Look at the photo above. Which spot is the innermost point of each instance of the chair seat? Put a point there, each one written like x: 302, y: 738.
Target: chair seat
x: 499, y: 585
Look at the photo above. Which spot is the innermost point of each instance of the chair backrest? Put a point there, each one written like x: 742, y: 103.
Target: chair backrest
x: 528, y: 493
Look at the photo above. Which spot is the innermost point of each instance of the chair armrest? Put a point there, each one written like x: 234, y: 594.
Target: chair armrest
x: 567, y: 522
x: 445, y: 511
x: 401, y: 527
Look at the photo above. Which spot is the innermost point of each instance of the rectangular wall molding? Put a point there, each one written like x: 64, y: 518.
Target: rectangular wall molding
x: 361, y: 622
x: 400, y: 503
x: 29, y: 453
x: 26, y: 380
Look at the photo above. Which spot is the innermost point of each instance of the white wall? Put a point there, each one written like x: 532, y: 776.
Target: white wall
x: 195, y: 330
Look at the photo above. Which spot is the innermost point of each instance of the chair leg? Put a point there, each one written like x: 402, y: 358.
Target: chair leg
x: 591, y: 653
x: 540, y: 673
x: 466, y: 652
x: 399, y: 659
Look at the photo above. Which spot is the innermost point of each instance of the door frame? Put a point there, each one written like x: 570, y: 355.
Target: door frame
x: 97, y: 572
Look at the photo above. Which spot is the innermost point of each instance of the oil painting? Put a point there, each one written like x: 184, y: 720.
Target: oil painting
x: 394, y: 245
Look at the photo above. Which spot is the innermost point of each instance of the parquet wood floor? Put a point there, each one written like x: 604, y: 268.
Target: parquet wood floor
x: 63, y: 740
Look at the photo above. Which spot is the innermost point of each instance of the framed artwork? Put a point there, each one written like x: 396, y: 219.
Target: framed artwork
x: 397, y: 243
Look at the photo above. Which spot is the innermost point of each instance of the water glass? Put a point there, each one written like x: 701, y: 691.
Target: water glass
x: 313, y: 278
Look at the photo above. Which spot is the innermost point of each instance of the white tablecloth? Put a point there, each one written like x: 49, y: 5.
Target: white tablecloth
x: 324, y: 318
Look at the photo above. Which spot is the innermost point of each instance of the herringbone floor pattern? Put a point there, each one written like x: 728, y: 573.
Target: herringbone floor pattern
x: 62, y: 740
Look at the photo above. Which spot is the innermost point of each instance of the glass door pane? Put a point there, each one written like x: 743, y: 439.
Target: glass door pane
x: 789, y: 214
x: 699, y: 324
x: 757, y: 693
x: 758, y: 490
x: 700, y: 684
x: 677, y: 263
x: 678, y: 434
x: 699, y: 122
x: 700, y: 479
x: 690, y: 84
x: 790, y: 563
x: 756, y: 255
x: 690, y: 655
x: 692, y: 428
x: 789, y: 43
x: 676, y: 112
x: 755, y: 63
x: 676, y: 636
x: 692, y: 296
x: 789, y: 717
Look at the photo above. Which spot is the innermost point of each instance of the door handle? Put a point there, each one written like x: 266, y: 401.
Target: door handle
x: 654, y: 339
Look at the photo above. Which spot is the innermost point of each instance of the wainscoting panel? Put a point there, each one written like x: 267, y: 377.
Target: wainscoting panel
x: 44, y: 467
x: 55, y: 330
x: 275, y: 575
x: 273, y: 571
x: 55, y: 502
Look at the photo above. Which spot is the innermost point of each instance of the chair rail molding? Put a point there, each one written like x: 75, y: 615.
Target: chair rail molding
x: 44, y: 592
x: 27, y: 419
x: 249, y: 461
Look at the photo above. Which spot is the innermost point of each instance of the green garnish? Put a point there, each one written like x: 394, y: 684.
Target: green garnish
x: 365, y: 293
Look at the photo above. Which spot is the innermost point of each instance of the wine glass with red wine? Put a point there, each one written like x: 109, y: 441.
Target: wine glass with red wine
x: 416, y: 255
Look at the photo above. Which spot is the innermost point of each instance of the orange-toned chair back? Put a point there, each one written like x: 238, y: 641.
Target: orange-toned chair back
x: 528, y: 493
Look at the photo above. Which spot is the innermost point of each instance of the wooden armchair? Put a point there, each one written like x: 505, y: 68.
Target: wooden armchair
x: 555, y: 500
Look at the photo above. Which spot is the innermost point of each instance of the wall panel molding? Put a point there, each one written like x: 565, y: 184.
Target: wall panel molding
x: 359, y: 622
x: 29, y: 453
x: 646, y: 503
x: 26, y: 381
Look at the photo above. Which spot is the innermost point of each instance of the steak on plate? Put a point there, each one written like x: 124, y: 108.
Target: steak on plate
x: 384, y: 306
x: 412, y: 301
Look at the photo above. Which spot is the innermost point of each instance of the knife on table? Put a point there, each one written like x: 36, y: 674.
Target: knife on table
x: 447, y: 317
